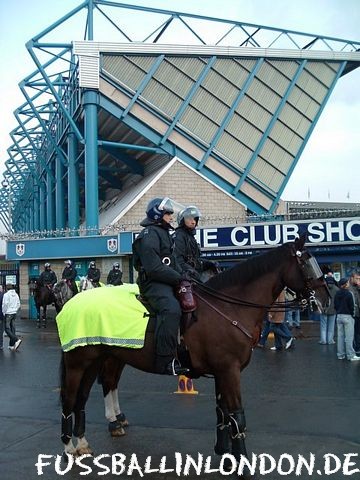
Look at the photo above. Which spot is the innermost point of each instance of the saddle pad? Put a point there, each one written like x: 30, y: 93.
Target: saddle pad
x: 110, y: 316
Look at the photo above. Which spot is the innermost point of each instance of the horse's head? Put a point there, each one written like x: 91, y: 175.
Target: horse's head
x: 62, y: 293
x: 33, y: 285
x: 304, y: 276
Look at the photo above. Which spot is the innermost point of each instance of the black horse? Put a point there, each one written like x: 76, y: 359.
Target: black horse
x: 44, y: 296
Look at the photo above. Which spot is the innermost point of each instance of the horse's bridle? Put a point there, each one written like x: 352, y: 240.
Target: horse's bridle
x: 310, y: 271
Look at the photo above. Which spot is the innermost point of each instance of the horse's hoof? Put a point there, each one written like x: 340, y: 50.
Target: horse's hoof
x: 122, y: 420
x: 118, y: 432
x: 38, y: 325
x: 115, y: 429
x: 84, y: 451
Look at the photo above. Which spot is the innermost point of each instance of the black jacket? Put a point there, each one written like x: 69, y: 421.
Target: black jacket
x: 93, y: 274
x: 48, y: 277
x: 344, y: 302
x: 69, y: 273
x: 187, y: 253
x: 153, y: 256
x: 115, y: 277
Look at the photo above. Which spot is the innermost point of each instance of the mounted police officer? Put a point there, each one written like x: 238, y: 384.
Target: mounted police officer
x: 69, y: 274
x: 93, y: 274
x: 186, y: 249
x: 153, y: 259
x: 115, y: 275
x: 47, y: 277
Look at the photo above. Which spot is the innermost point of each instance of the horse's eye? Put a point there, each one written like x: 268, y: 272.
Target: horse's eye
x: 298, y: 253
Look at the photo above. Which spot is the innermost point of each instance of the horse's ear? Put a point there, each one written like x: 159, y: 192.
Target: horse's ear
x: 300, y: 242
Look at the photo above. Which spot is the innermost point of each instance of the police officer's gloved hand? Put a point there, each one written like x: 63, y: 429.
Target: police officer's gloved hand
x: 190, y: 275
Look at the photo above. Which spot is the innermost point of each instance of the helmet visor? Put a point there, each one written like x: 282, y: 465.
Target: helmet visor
x: 170, y: 206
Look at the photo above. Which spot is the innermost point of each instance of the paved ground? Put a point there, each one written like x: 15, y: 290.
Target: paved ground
x: 298, y: 402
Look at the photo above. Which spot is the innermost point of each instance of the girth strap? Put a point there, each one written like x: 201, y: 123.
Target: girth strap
x: 233, y: 322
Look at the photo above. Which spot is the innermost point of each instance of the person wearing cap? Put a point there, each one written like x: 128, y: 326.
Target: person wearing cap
x: 69, y: 275
x: 115, y: 275
x: 10, y: 307
x: 186, y: 249
x: 344, y: 306
x: 47, y: 277
x: 93, y: 274
x: 157, y: 277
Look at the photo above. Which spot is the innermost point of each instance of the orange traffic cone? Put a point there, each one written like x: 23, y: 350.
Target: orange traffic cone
x: 186, y: 386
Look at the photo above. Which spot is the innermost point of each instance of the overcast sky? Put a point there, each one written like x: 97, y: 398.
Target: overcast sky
x: 330, y: 164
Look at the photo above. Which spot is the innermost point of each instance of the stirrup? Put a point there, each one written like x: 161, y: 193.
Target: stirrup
x: 175, y: 368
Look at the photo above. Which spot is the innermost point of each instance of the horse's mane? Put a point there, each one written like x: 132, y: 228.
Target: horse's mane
x: 250, y: 269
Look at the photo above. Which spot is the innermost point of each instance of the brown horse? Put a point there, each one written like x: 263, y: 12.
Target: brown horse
x: 43, y: 297
x: 231, y: 308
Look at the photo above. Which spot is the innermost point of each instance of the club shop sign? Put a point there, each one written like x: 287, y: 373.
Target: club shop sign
x: 262, y: 235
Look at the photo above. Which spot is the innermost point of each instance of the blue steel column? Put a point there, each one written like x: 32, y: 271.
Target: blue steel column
x: 73, y: 185
x: 36, y: 207
x: 42, y: 224
x: 50, y: 212
x: 91, y: 162
x: 59, y: 194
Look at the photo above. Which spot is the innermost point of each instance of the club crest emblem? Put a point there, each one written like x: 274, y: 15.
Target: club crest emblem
x: 112, y: 245
x: 20, y: 249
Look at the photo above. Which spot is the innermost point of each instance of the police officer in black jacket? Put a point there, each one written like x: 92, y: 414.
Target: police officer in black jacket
x: 153, y: 259
x: 69, y: 274
x: 48, y: 276
x: 93, y: 274
x: 186, y: 249
x: 115, y: 275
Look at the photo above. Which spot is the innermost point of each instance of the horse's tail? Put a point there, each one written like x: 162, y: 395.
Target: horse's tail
x: 62, y: 375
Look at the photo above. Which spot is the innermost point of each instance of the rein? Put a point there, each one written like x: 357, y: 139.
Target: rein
x: 276, y: 306
x: 233, y: 322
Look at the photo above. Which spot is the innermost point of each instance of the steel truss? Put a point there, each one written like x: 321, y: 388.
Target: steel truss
x: 41, y: 191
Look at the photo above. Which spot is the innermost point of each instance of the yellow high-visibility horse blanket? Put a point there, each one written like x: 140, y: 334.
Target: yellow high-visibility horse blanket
x: 109, y: 315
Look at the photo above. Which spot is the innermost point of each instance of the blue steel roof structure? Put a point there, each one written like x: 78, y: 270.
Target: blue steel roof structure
x: 77, y: 145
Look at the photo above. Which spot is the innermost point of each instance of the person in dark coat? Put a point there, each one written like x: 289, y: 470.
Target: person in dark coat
x: 153, y: 259
x: 186, y: 249
x: 93, y: 274
x: 69, y: 274
x: 115, y: 275
x: 345, y: 306
x: 2, y: 324
x: 48, y: 277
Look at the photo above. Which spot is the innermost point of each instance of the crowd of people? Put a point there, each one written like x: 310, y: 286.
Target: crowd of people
x: 166, y: 257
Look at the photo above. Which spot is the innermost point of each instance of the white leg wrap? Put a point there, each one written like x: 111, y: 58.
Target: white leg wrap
x: 115, y: 399
x: 110, y: 414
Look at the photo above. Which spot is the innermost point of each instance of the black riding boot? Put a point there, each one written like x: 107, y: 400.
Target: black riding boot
x: 166, y: 333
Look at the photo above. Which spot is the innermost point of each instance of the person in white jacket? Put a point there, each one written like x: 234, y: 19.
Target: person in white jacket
x: 10, y: 307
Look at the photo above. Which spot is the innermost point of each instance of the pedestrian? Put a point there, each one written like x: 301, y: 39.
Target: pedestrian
x: 292, y: 314
x: 2, y: 323
x: 275, y: 322
x: 344, y: 306
x: 355, y: 290
x: 115, y: 275
x: 69, y: 275
x: 157, y: 278
x: 187, y: 251
x: 47, y: 277
x: 327, y: 317
x: 93, y: 274
x: 10, y: 307
x: 281, y: 331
